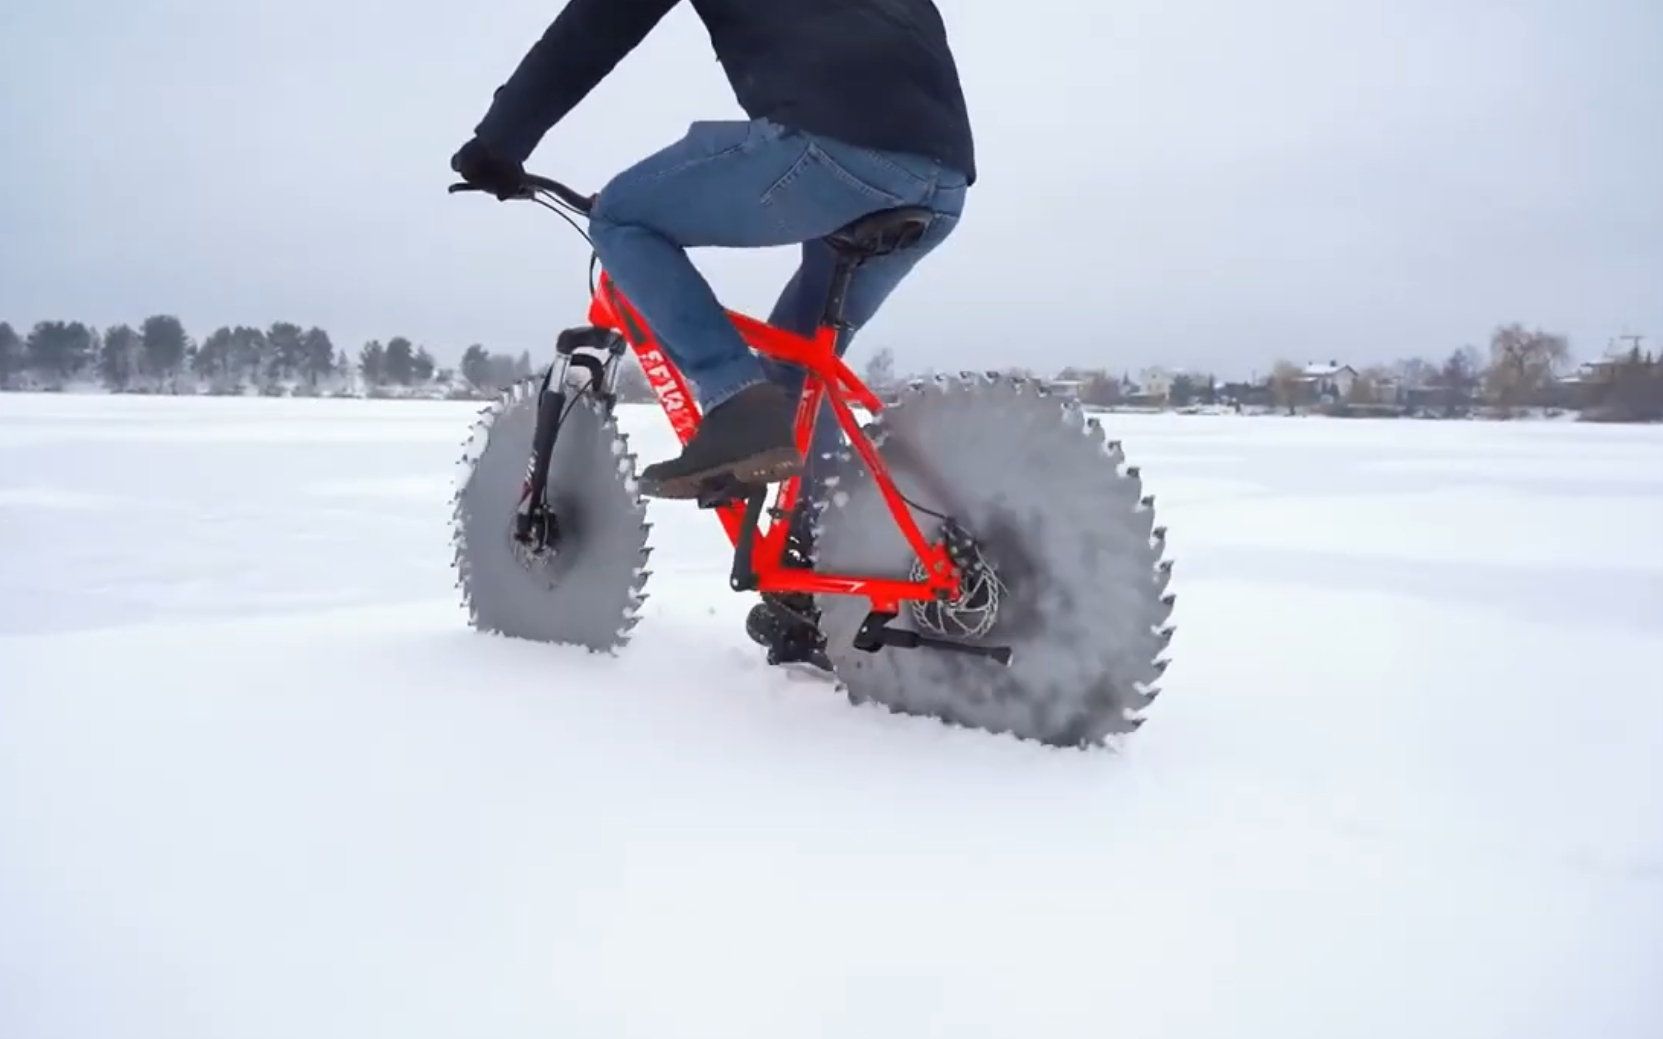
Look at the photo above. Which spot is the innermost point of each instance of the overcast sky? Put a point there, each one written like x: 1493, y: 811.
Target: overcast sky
x: 1205, y: 183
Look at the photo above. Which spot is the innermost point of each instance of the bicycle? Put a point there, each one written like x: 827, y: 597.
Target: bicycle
x: 1081, y: 608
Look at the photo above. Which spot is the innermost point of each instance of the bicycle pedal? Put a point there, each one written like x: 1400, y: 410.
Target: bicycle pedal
x: 723, y: 491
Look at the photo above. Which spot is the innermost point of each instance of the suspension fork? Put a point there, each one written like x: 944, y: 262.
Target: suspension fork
x: 551, y: 408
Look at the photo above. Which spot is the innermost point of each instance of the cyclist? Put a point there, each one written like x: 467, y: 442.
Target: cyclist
x: 854, y: 106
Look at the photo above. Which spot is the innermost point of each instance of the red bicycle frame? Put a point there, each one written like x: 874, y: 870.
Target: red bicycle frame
x: 827, y: 377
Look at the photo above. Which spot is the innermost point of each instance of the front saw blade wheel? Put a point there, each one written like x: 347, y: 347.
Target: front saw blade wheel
x: 1068, y: 565
x: 586, y: 586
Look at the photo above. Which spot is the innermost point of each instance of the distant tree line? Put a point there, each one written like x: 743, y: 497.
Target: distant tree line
x: 159, y: 356
x: 1523, y: 369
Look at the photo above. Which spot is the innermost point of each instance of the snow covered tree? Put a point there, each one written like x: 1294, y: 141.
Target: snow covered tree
x: 283, y: 355
x: 1287, y: 385
x: 879, y: 373
x: 58, y: 351
x: 422, y: 366
x: 164, y: 349
x: 119, y: 358
x: 317, y: 357
x: 476, y: 366
x: 12, y: 360
x: 399, y: 365
x: 1523, y: 365
x: 372, y: 363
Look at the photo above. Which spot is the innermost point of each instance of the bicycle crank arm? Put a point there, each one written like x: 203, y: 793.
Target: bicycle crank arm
x: 874, y: 634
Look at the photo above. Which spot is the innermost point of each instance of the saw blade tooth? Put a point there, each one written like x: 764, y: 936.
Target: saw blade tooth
x: 1161, y: 615
x: 1111, y: 727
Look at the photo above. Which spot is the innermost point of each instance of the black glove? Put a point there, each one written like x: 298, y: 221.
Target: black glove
x: 489, y: 172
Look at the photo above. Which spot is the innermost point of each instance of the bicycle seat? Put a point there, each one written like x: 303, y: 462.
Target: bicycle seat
x: 885, y: 231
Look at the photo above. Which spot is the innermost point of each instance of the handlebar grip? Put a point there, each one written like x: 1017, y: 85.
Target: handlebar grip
x: 534, y: 184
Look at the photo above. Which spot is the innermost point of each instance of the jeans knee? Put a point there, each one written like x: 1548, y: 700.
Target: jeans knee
x: 603, y: 227
x: 611, y: 205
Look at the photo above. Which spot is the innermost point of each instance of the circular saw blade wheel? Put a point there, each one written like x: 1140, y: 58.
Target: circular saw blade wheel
x: 1083, y: 603
x: 588, y: 591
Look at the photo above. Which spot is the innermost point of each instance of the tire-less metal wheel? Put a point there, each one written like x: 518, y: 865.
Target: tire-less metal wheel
x: 1073, y: 579
x: 587, y: 589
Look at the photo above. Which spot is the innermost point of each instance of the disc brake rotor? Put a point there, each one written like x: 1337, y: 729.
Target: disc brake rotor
x: 974, y: 612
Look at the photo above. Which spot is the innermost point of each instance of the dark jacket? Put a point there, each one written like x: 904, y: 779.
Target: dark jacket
x: 872, y: 73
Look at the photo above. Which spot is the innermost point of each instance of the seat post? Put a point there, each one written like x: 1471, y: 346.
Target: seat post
x: 875, y: 234
x: 837, y: 298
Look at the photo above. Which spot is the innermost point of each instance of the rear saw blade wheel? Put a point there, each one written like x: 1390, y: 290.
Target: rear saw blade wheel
x: 1078, y: 586
x: 588, y: 589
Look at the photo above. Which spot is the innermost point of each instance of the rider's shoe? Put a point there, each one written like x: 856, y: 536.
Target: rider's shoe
x: 748, y: 438
x: 787, y: 627
x: 787, y: 624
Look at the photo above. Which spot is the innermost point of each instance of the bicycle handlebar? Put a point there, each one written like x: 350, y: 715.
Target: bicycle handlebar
x: 533, y: 184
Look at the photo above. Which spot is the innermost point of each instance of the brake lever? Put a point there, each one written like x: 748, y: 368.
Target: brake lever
x: 526, y: 192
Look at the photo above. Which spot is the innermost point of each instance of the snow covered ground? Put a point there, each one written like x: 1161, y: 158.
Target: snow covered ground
x: 258, y: 780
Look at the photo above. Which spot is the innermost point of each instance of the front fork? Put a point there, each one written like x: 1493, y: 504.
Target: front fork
x: 598, y: 351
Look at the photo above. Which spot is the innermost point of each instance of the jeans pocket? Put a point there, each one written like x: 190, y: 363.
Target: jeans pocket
x: 815, y: 196
x: 879, y: 189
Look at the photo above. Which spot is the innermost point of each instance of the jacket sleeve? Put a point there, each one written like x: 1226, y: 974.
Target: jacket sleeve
x: 584, y: 43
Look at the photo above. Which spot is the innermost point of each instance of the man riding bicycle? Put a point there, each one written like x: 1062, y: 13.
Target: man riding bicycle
x: 854, y: 105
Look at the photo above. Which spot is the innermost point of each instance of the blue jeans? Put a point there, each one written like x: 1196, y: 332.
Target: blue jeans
x: 751, y: 185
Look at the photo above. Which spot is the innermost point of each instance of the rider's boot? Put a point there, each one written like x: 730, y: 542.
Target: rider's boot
x: 747, y: 438
x: 787, y: 623
x: 789, y: 638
